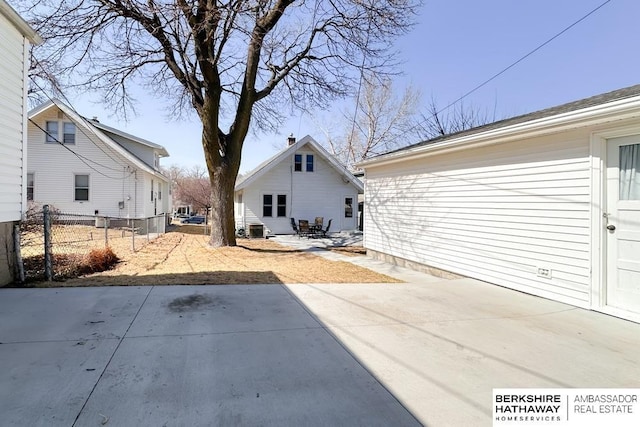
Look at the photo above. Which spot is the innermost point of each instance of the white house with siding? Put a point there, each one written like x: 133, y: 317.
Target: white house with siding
x: 15, y: 38
x: 82, y: 166
x: 547, y: 203
x: 303, y: 181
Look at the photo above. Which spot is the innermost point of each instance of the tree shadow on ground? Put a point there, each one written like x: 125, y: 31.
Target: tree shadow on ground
x: 270, y: 251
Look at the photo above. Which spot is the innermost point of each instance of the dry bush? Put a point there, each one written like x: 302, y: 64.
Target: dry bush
x: 64, y: 266
x: 99, y: 260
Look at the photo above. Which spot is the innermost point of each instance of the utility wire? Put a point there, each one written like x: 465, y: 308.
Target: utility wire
x: 521, y: 59
x: 79, y: 156
x: 79, y: 115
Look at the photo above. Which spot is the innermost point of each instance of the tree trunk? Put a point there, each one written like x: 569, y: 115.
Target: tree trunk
x: 222, y: 154
x: 223, y: 231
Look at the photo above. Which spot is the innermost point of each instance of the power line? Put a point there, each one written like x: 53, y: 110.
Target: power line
x: 79, y: 115
x: 79, y: 156
x: 521, y: 59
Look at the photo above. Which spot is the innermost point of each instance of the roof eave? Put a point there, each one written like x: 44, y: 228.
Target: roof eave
x: 161, y: 150
x: 81, y: 121
x: 618, y: 110
x: 22, y: 25
x: 307, y: 139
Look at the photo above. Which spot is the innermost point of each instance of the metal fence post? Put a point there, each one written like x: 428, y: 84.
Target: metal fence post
x: 133, y: 235
x: 106, y: 232
x: 48, y: 265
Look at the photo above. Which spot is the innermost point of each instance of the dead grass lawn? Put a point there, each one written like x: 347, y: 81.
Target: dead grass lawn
x: 179, y: 258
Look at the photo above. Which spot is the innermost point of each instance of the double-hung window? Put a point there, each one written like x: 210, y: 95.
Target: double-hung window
x: 297, y: 162
x: 52, y: 132
x: 280, y: 205
x: 30, y: 177
x: 81, y: 188
x: 267, y: 205
x: 69, y: 133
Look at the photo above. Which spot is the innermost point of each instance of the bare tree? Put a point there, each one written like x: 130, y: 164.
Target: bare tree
x: 438, y: 121
x: 235, y: 63
x: 382, y: 121
x: 174, y: 173
x: 192, y: 187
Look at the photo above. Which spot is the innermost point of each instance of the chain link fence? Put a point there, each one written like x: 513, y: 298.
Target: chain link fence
x: 56, y: 245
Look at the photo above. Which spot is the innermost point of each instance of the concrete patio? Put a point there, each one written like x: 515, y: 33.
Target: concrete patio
x: 428, y: 352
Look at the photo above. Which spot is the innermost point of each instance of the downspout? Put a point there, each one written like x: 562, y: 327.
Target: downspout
x: 291, y: 188
x: 135, y: 193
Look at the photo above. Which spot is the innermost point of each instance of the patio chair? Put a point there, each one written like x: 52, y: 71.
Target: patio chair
x: 295, y: 227
x: 318, y: 222
x: 303, y: 228
x: 323, y: 233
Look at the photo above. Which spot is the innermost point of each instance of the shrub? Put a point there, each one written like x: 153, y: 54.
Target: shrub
x: 100, y: 260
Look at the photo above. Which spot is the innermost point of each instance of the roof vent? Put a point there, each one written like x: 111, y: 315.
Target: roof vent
x: 291, y: 139
x: 95, y: 119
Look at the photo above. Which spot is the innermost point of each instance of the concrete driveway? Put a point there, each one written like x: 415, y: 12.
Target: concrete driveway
x: 426, y: 352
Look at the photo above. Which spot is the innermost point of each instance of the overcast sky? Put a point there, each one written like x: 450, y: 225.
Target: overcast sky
x: 456, y: 46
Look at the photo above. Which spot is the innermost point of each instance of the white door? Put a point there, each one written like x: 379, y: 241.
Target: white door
x: 623, y: 224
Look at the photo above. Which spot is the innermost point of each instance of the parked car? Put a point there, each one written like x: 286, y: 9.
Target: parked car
x: 192, y: 220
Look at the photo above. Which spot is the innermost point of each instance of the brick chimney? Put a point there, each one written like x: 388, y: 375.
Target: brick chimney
x: 291, y: 140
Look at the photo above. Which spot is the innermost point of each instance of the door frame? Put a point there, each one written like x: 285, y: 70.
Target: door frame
x: 353, y: 221
x: 598, y: 151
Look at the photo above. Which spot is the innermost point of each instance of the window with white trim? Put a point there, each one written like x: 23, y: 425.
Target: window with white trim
x: 53, y: 128
x: 69, y: 133
x: 282, y: 205
x: 51, y: 135
x: 30, y: 179
x: 280, y: 202
x: 267, y: 205
x: 81, y: 190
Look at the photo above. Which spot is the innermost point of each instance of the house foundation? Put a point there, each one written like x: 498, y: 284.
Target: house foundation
x: 7, y: 258
x: 422, y: 268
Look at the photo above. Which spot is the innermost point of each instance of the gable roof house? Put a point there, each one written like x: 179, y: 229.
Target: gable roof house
x: 546, y: 203
x: 15, y: 37
x: 84, y: 167
x: 303, y: 181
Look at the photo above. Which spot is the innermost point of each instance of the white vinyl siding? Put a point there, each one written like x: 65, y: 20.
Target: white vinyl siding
x: 12, y: 67
x: 308, y: 195
x: 496, y: 214
x: 113, y: 179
